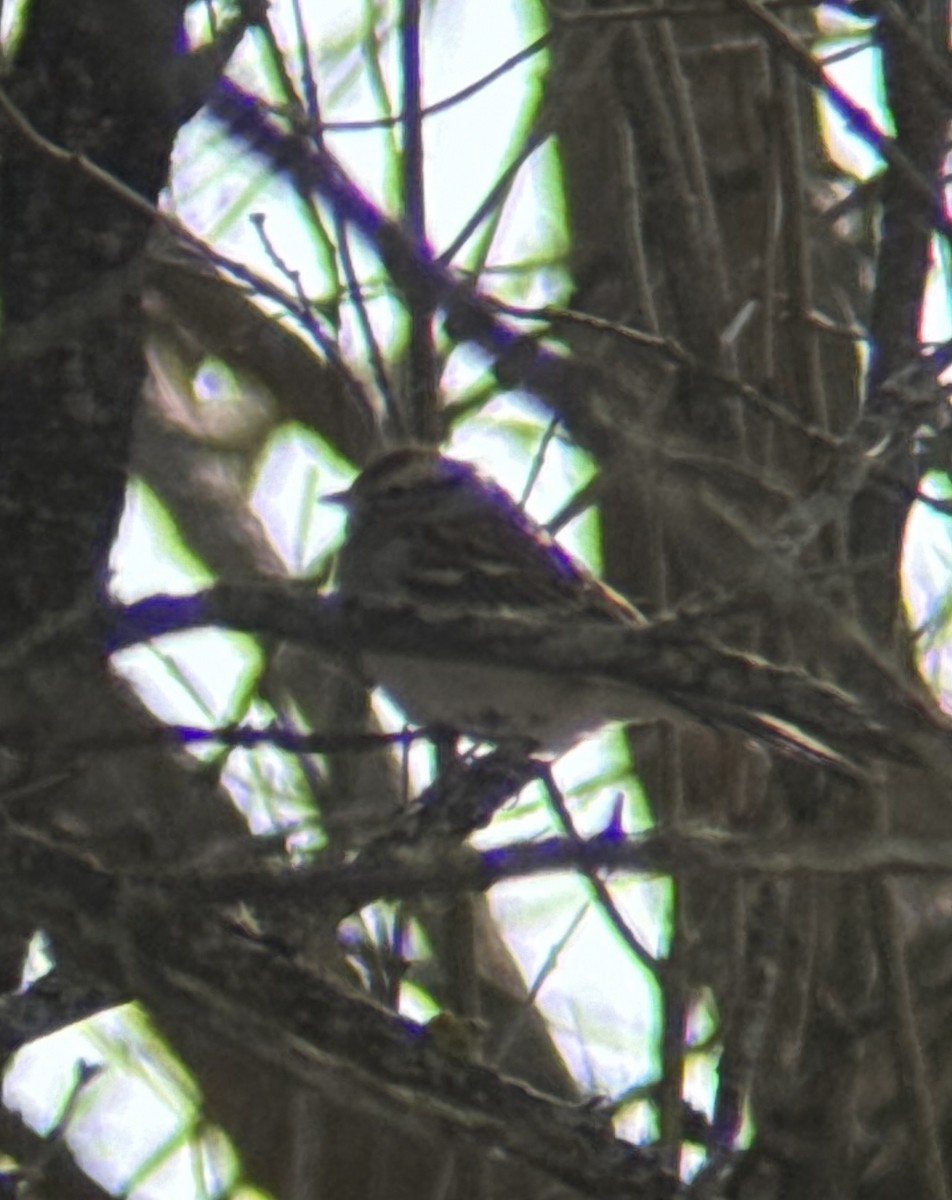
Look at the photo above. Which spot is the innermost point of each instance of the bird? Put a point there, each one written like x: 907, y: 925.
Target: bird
x: 435, y: 534
x: 432, y: 534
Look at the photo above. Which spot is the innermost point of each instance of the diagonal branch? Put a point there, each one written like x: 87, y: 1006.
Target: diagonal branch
x: 186, y: 964
x: 678, y: 669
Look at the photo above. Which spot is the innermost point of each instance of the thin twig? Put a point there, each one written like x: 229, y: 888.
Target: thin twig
x: 448, y: 102
x: 421, y: 382
x: 804, y: 356
x: 603, y: 896
x: 301, y: 118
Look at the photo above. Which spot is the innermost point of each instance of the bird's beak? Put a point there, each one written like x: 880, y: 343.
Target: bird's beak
x: 342, y: 498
